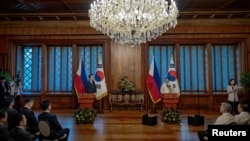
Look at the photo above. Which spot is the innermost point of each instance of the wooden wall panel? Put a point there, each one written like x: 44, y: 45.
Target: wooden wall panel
x: 125, y: 61
x: 248, y: 60
x: 3, y: 61
x: 122, y: 60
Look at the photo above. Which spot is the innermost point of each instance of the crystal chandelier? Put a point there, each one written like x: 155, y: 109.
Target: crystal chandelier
x: 133, y: 21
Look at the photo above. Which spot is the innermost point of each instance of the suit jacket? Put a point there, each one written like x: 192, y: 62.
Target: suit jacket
x: 54, y: 124
x: 4, y: 133
x: 224, y: 119
x: 32, y: 123
x: 11, y: 114
x: 91, y: 87
x: 19, y: 134
x: 242, y: 118
x: 3, y: 94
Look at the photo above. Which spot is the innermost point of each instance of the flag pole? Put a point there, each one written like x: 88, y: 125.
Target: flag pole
x: 100, y: 110
x: 153, y: 110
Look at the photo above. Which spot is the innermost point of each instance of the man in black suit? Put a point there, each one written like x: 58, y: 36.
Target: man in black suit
x: 32, y: 123
x: 10, y: 111
x: 90, y: 86
x: 4, y: 91
x: 19, y: 133
x: 4, y: 133
x: 57, y: 131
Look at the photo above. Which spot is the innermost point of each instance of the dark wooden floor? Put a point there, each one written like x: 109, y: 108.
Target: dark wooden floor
x: 124, y: 125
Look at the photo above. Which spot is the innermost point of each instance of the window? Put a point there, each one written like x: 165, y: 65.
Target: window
x: 60, y: 68
x: 29, y: 64
x: 193, y: 65
x: 162, y: 54
x: 89, y: 55
x: 225, y: 65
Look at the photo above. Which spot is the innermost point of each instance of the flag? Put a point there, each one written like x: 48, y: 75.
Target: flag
x: 101, y: 88
x: 172, y: 76
x: 80, y: 79
x: 154, y: 83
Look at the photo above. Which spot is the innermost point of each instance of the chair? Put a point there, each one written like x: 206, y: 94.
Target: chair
x: 46, y: 133
x: 232, y: 123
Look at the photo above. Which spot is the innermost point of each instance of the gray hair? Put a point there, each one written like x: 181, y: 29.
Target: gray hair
x: 226, y: 106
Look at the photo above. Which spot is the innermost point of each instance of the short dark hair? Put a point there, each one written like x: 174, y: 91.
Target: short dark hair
x: 90, y: 75
x: 28, y: 99
x: 8, y: 101
x: 17, y: 118
x: 2, y: 113
x: 45, y: 104
x: 229, y: 83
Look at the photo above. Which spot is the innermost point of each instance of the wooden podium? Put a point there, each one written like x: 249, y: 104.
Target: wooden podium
x: 86, y: 100
x: 170, y: 101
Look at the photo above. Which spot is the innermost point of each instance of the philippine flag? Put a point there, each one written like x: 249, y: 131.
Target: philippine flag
x: 173, y: 80
x: 80, y: 79
x: 154, y: 83
x: 101, y: 88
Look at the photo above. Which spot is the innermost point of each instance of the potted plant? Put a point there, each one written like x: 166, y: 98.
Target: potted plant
x: 171, y: 116
x: 245, y: 81
x: 84, y: 116
x: 126, y: 85
x: 7, y: 76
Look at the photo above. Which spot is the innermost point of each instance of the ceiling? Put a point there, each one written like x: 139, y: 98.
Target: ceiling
x: 65, y: 10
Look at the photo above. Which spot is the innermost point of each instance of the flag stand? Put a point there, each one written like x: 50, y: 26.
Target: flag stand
x: 149, y: 120
x: 100, y: 110
x: 198, y: 119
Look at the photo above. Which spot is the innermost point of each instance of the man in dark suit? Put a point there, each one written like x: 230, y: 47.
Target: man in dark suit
x: 10, y: 111
x: 19, y: 133
x: 57, y: 131
x: 90, y: 86
x: 32, y: 123
x: 4, y: 133
x: 4, y: 91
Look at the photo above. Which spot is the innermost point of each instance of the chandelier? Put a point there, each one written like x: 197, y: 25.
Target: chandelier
x: 133, y: 21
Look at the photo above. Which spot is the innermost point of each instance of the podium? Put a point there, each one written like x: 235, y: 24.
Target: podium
x: 86, y: 100
x: 170, y: 101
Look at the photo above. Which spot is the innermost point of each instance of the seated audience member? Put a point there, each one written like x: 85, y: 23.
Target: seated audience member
x: 57, y: 130
x: 18, y: 133
x: 10, y: 111
x: 243, y: 116
x: 4, y: 133
x: 225, y: 118
x: 32, y: 123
